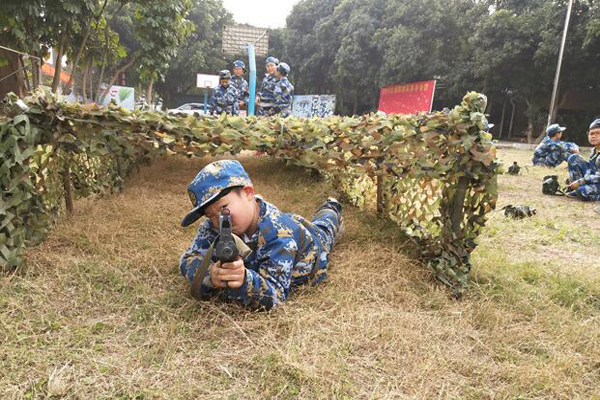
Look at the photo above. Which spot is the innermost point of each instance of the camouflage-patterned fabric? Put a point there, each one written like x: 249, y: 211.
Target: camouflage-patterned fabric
x: 242, y: 88
x: 587, y: 173
x: 224, y: 100
x: 266, y: 94
x: 552, y: 153
x: 284, y: 95
x: 287, y: 251
x: 210, y: 182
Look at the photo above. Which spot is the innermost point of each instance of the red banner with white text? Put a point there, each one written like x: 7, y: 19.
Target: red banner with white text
x: 407, y: 98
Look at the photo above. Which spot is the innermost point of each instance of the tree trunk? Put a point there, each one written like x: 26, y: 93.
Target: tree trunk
x: 502, y: 119
x: 104, y: 61
x: 91, y: 78
x: 355, y: 107
x: 149, y: 91
x: 105, y: 55
x: 561, y: 103
x: 512, y: 117
x: 21, y: 64
x: 490, y: 107
x: 82, y: 46
x: 531, y: 125
x: 35, y: 73
x: 77, y: 57
x: 59, y: 56
x: 84, y: 81
x: 18, y: 77
x: 115, y: 76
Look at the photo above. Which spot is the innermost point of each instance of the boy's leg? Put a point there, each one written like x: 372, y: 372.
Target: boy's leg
x: 328, y: 219
x: 577, y: 167
x: 589, y: 192
x: 554, y: 159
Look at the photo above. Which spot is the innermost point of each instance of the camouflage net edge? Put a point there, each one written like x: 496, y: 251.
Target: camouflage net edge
x: 439, y: 170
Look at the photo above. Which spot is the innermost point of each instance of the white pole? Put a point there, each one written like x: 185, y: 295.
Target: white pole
x: 559, y: 66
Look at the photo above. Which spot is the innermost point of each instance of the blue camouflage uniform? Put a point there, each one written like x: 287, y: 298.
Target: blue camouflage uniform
x: 283, y: 95
x: 224, y: 100
x: 287, y: 250
x: 552, y: 153
x: 241, y: 85
x: 587, y: 173
x: 266, y: 94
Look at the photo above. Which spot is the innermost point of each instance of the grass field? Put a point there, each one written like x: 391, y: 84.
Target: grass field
x: 100, y: 310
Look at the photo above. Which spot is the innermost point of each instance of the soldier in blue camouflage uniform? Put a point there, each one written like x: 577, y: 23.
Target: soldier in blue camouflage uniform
x: 224, y: 98
x: 552, y: 151
x: 265, y: 97
x: 585, y: 175
x: 240, y: 84
x: 287, y: 250
x: 284, y: 92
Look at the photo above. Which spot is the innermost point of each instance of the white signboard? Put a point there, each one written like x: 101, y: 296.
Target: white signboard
x: 207, y: 81
x: 124, y: 96
x: 309, y: 106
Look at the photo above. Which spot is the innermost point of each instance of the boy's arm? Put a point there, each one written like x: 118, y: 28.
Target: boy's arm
x: 590, y: 179
x: 236, y: 104
x: 271, y: 284
x: 190, y: 260
x: 211, y: 103
x: 279, y: 97
x: 246, y: 93
x: 571, y: 147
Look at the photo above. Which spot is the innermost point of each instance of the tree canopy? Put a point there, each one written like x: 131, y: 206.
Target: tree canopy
x: 504, y: 48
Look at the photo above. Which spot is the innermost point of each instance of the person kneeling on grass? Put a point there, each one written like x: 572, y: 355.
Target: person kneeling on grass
x: 552, y: 151
x: 286, y: 249
x: 584, y: 176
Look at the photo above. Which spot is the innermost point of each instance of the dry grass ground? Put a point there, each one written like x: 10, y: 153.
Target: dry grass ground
x: 100, y: 310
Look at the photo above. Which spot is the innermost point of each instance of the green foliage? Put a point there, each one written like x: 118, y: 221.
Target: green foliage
x: 439, y: 169
x: 506, y: 49
x: 161, y: 27
x: 202, y: 49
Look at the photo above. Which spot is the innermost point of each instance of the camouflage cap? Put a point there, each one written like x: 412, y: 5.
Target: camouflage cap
x: 210, y: 182
x: 555, y: 129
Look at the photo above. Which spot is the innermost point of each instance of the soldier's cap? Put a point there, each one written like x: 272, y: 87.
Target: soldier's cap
x: 283, y: 68
x: 240, y: 64
x: 554, y: 129
x: 595, y: 124
x: 210, y: 182
x: 272, y: 59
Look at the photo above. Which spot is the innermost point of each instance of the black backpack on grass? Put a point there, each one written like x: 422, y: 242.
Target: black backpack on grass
x: 550, y: 186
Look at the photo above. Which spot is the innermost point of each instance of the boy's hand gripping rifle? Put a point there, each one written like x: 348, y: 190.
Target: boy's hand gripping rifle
x: 227, y: 247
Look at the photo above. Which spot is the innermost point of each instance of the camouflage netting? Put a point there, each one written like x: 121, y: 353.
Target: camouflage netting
x: 436, y: 172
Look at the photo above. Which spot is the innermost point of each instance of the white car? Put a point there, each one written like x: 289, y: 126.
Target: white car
x: 196, y: 109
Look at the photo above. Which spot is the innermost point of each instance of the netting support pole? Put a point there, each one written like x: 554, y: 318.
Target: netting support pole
x: 252, y: 65
x: 457, y: 204
x: 68, y: 190
x: 380, y: 199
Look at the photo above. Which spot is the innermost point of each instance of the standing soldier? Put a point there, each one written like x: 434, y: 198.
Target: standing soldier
x: 225, y: 97
x: 284, y: 92
x: 265, y: 98
x: 238, y: 81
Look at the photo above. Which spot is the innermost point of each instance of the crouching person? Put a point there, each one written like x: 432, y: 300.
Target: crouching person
x: 585, y: 175
x: 552, y: 151
x: 283, y: 250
